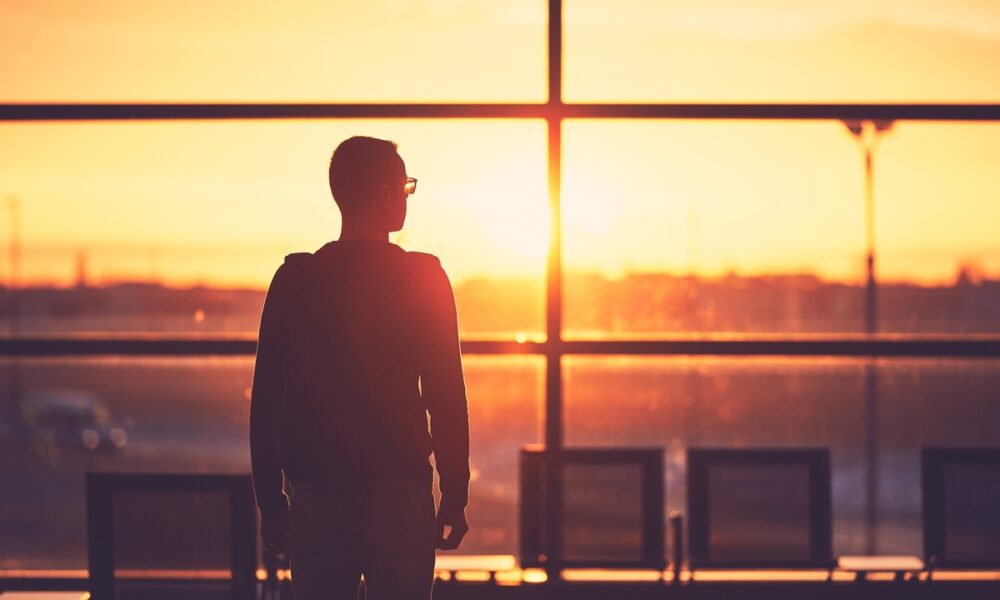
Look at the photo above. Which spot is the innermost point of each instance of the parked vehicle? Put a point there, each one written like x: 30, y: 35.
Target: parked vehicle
x: 70, y: 418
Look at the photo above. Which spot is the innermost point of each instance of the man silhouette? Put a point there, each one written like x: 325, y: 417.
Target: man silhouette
x: 358, y: 346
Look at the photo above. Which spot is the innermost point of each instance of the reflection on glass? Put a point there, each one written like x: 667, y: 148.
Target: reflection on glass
x: 759, y: 228
x: 191, y: 415
x: 777, y: 51
x: 682, y: 402
x: 133, y: 228
x: 316, y: 51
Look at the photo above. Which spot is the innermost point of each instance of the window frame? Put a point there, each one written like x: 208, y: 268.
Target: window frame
x: 553, y: 112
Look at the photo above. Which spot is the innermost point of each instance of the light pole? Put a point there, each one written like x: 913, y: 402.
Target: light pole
x: 14, y: 264
x: 13, y: 281
x: 867, y: 134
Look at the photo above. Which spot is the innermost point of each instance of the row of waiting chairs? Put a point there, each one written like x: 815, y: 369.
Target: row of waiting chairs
x: 746, y: 508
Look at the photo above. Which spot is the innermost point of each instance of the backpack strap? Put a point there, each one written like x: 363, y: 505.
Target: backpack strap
x: 298, y: 258
x: 298, y: 267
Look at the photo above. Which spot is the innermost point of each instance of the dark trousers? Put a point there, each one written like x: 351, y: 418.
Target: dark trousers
x: 384, y: 531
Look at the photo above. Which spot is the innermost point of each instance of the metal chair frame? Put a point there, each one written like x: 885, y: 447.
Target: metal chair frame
x: 101, y: 489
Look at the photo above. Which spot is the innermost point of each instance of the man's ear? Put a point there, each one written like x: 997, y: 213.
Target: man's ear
x: 383, y: 195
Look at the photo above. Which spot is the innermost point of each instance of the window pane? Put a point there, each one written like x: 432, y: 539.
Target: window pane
x: 875, y: 416
x: 936, y: 190
x: 313, y: 51
x: 506, y: 405
x: 191, y: 415
x: 673, y: 227
x: 127, y: 220
x: 777, y: 50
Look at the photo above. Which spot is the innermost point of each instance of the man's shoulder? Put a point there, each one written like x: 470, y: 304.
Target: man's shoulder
x: 298, y: 258
x: 295, y: 266
x: 295, y: 263
x: 423, y: 259
x: 428, y: 269
x: 299, y: 265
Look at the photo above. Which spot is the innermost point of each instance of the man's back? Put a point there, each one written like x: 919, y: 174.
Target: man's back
x: 349, y: 331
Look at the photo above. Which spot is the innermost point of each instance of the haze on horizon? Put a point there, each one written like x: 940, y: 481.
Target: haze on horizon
x: 222, y: 202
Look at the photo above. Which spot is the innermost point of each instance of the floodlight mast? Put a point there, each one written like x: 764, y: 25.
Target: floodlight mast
x: 12, y: 413
x: 868, y: 134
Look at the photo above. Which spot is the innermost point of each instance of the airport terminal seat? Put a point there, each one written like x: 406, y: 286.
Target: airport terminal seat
x: 609, y: 508
x: 171, y: 535
x: 759, y: 508
x: 961, y: 508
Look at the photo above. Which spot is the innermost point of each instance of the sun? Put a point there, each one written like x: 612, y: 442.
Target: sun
x: 519, y: 227
x: 516, y: 220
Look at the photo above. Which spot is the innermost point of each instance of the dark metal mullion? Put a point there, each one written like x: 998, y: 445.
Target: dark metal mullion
x: 786, y: 111
x: 514, y: 110
x: 554, y: 300
x: 262, y: 111
x: 846, y: 347
x: 553, y: 355
x: 42, y: 347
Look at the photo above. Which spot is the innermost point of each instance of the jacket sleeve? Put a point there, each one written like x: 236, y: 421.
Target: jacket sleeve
x: 266, y: 399
x: 443, y: 387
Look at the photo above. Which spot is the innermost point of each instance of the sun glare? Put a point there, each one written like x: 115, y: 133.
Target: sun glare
x: 517, y: 223
x: 522, y: 231
x: 587, y: 211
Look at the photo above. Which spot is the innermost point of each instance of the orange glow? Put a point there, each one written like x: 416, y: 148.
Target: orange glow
x: 534, y: 576
x: 515, y: 224
x: 221, y: 202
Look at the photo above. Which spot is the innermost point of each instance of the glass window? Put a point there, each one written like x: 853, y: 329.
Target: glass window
x: 871, y: 415
x: 938, y: 258
x: 314, y: 51
x: 680, y: 227
x: 781, y: 51
x: 63, y: 417
x: 179, y: 226
x: 506, y: 408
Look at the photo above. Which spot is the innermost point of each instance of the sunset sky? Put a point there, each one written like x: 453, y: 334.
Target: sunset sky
x: 222, y: 202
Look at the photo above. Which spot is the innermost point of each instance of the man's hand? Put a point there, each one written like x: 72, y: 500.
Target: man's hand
x: 274, y: 531
x: 457, y: 527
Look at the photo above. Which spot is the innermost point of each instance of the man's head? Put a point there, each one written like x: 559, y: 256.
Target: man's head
x: 367, y: 179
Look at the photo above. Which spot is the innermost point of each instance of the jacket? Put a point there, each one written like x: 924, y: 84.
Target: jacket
x: 358, y: 375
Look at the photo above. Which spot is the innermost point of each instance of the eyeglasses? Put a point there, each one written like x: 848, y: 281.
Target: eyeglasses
x: 410, y: 186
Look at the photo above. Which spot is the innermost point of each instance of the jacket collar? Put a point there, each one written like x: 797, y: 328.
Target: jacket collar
x: 335, y: 245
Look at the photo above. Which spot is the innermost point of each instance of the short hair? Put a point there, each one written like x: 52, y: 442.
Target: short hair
x: 358, y: 167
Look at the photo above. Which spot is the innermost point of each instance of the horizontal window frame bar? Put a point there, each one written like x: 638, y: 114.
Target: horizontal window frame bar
x: 17, y: 112
x: 952, y: 347
x: 183, y: 346
x: 800, y: 347
x: 24, y: 581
